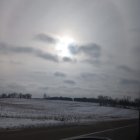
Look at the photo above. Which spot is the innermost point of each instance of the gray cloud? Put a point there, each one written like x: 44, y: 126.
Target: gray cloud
x: 46, y: 38
x: 60, y: 74
x: 67, y: 59
x: 15, y: 87
x: 92, y: 61
x: 47, y: 56
x: 130, y: 82
x: 70, y: 82
x: 92, y: 50
x: 44, y: 88
x: 135, y: 30
x: 92, y: 77
x: 136, y: 49
x: 87, y: 76
x: 15, y: 62
x: 5, y: 49
x: 125, y: 68
x: 74, y: 48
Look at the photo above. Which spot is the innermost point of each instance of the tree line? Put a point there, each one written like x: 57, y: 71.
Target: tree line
x: 124, y: 102
x: 16, y: 95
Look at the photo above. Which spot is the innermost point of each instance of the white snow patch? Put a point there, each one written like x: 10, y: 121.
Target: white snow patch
x: 38, y: 112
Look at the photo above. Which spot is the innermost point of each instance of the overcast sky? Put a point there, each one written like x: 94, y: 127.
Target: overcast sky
x: 76, y: 48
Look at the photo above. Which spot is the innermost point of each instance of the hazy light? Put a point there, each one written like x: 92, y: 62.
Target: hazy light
x: 62, y: 46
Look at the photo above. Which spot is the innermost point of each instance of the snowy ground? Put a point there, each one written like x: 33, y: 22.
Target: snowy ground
x: 19, y: 113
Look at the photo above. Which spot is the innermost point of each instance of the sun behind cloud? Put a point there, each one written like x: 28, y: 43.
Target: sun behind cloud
x: 62, y: 46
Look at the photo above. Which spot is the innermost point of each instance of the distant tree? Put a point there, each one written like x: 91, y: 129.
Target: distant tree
x: 126, y: 101
x: 4, y: 95
x: 20, y: 95
x: 16, y: 95
x: 103, y: 100
x: 28, y: 96
x: 44, y: 96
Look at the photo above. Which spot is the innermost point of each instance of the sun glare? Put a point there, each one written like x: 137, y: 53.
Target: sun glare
x: 62, y: 46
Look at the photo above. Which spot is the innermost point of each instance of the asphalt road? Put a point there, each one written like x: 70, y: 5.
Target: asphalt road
x: 58, y: 133
x: 129, y: 132
x: 125, y: 133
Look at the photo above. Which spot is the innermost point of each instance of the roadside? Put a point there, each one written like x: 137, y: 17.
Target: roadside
x: 60, y: 132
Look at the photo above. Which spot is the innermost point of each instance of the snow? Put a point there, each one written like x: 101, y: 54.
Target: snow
x: 26, y: 123
x: 19, y: 113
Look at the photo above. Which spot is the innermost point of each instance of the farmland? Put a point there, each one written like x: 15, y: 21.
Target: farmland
x: 22, y: 113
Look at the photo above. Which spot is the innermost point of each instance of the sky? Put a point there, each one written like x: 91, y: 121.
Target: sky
x: 75, y: 48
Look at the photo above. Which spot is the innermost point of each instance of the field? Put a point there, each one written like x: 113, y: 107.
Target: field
x: 22, y: 113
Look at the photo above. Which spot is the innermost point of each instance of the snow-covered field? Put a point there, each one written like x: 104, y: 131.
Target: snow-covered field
x: 18, y: 113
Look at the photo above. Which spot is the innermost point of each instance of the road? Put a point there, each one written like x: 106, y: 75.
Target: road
x: 128, y: 132
x: 116, y: 130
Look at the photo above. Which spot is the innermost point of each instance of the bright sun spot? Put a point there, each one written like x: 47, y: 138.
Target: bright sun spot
x: 62, y: 46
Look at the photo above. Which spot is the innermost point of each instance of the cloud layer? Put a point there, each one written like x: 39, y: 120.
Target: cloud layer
x: 46, y: 38
x: 6, y: 49
x: 91, y: 50
x: 69, y: 82
x: 59, y: 74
